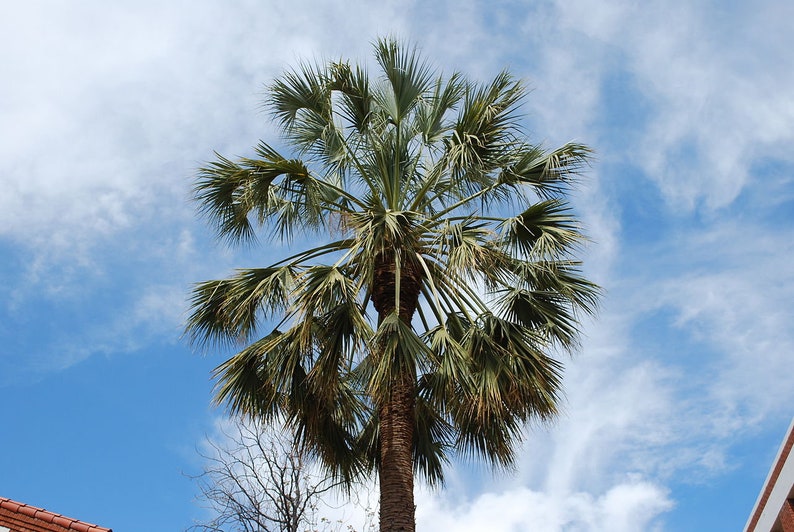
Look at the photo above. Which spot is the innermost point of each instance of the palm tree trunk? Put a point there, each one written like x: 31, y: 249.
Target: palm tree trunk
x: 396, y: 458
x: 396, y: 412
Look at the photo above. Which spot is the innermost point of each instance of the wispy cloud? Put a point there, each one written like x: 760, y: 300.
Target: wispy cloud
x: 711, y: 84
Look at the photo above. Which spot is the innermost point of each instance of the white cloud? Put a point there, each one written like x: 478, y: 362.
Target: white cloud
x: 113, y: 106
x: 739, y: 303
x: 713, y: 108
x: 625, y: 507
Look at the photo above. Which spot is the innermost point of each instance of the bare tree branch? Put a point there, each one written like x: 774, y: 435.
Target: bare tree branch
x: 259, y: 480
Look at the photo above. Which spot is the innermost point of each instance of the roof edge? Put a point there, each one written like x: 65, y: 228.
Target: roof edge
x: 771, y: 477
x: 50, y: 517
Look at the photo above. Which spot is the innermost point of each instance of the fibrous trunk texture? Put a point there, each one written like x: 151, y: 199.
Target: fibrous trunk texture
x: 396, y: 412
x: 396, y: 460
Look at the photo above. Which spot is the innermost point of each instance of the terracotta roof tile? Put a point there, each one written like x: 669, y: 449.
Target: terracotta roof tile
x: 20, y: 517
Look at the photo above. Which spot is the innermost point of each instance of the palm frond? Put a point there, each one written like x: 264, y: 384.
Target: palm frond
x: 408, y: 77
x: 221, y: 192
x: 562, y: 278
x: 300, y: 93
x: 485, y: 131
x: 548, y: 174
x: 244, y: 384
x: 398, y: 349
x: 353, y: 85
x: 433, y: 110
x: 546, y: 229
x: 226, y: 310
x: 272, y: 188
x: 433, y: 439
x: 514, y: 381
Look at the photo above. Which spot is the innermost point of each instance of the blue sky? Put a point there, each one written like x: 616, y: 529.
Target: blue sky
x: 677, y: 401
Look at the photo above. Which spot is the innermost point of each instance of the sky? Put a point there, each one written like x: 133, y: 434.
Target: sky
x: 677, y: 401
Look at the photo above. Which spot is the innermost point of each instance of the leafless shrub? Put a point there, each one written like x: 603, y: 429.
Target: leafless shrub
x: 258, y: 480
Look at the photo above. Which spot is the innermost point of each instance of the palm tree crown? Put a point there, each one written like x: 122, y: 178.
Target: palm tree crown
x: 426, y: 321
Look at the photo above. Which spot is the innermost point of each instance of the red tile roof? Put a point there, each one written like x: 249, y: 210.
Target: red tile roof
x: 21, y: 517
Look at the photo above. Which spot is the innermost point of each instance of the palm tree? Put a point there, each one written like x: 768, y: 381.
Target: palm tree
x: 426, y: 322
